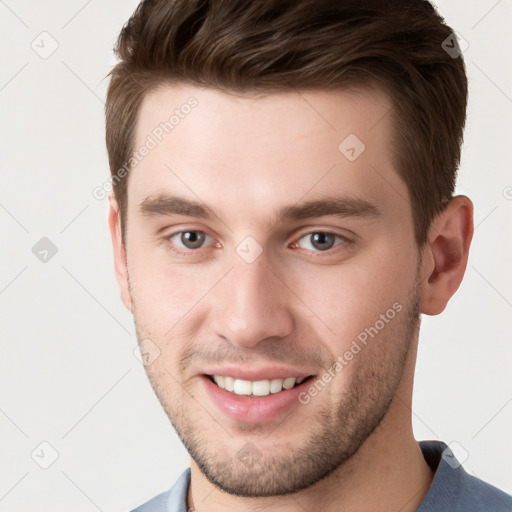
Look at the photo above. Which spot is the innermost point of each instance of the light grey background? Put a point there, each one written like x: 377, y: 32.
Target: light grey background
x: 68, y: 375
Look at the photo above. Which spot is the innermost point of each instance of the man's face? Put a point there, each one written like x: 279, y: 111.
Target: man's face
x: 298, y: 250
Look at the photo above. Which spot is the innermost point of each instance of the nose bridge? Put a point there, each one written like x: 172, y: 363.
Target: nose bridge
x: 252, y: 304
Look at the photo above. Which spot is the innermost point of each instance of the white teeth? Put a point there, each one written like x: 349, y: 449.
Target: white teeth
x: 242, y: 387
x: 289, y: 383
x: 276, y: 385
x: 256, y: 388
x: 229, y: 383
x: 261, y: 388
x: 219, y: 380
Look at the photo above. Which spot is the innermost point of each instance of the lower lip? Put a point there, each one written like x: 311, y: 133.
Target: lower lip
x: 254, y: 409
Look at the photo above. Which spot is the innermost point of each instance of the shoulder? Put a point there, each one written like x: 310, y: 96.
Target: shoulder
x: 479, y: 495
x: 454, y: 489
x: 156, y: 504
x: 173, y: 500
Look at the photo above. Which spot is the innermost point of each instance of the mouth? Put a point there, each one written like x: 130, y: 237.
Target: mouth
x: 256, y: 388
x: 255, y: 395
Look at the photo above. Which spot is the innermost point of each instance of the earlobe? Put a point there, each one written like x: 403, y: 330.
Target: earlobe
x: 119, y: 250
x: 445, y: 255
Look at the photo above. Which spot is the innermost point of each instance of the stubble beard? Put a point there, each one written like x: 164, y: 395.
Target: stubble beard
x: 340, y: 426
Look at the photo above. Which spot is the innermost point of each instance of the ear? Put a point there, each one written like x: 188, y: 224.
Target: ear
x: 445, y: 255
x: 120, y: 262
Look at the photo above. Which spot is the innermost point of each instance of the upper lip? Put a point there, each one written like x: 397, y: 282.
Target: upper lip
x: 255, y: 374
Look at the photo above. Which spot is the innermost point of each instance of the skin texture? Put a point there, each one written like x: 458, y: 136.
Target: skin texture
x: 246, y: 158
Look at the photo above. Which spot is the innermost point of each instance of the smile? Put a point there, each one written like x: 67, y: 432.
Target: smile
x: 255, y: 388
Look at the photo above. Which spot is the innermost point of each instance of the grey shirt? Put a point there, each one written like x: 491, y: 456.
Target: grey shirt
x: 452, y: 489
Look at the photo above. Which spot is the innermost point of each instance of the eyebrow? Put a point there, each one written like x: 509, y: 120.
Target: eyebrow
x: 333, y: 206
x: 166, y: 205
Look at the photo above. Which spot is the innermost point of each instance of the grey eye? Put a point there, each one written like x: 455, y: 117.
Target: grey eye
x: 322, y: 241
x: 319, y: 241
x: 192, y: 239
x: 189, y: 239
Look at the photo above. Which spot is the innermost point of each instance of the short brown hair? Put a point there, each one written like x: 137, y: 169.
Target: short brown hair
x: 274, y: 45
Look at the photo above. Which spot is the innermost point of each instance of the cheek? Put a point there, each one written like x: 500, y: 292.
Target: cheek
x: 162, y: 291
x: 351, y: 297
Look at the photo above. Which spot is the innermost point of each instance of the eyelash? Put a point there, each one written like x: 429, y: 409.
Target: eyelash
x: 189, y: 252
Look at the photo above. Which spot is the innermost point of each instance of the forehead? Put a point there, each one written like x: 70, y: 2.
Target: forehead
x: 242, y: 152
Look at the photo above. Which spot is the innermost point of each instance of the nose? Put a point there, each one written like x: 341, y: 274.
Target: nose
x: 251, y: 305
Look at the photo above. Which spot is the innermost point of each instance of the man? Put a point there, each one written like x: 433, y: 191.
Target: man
x: 283, y: 212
